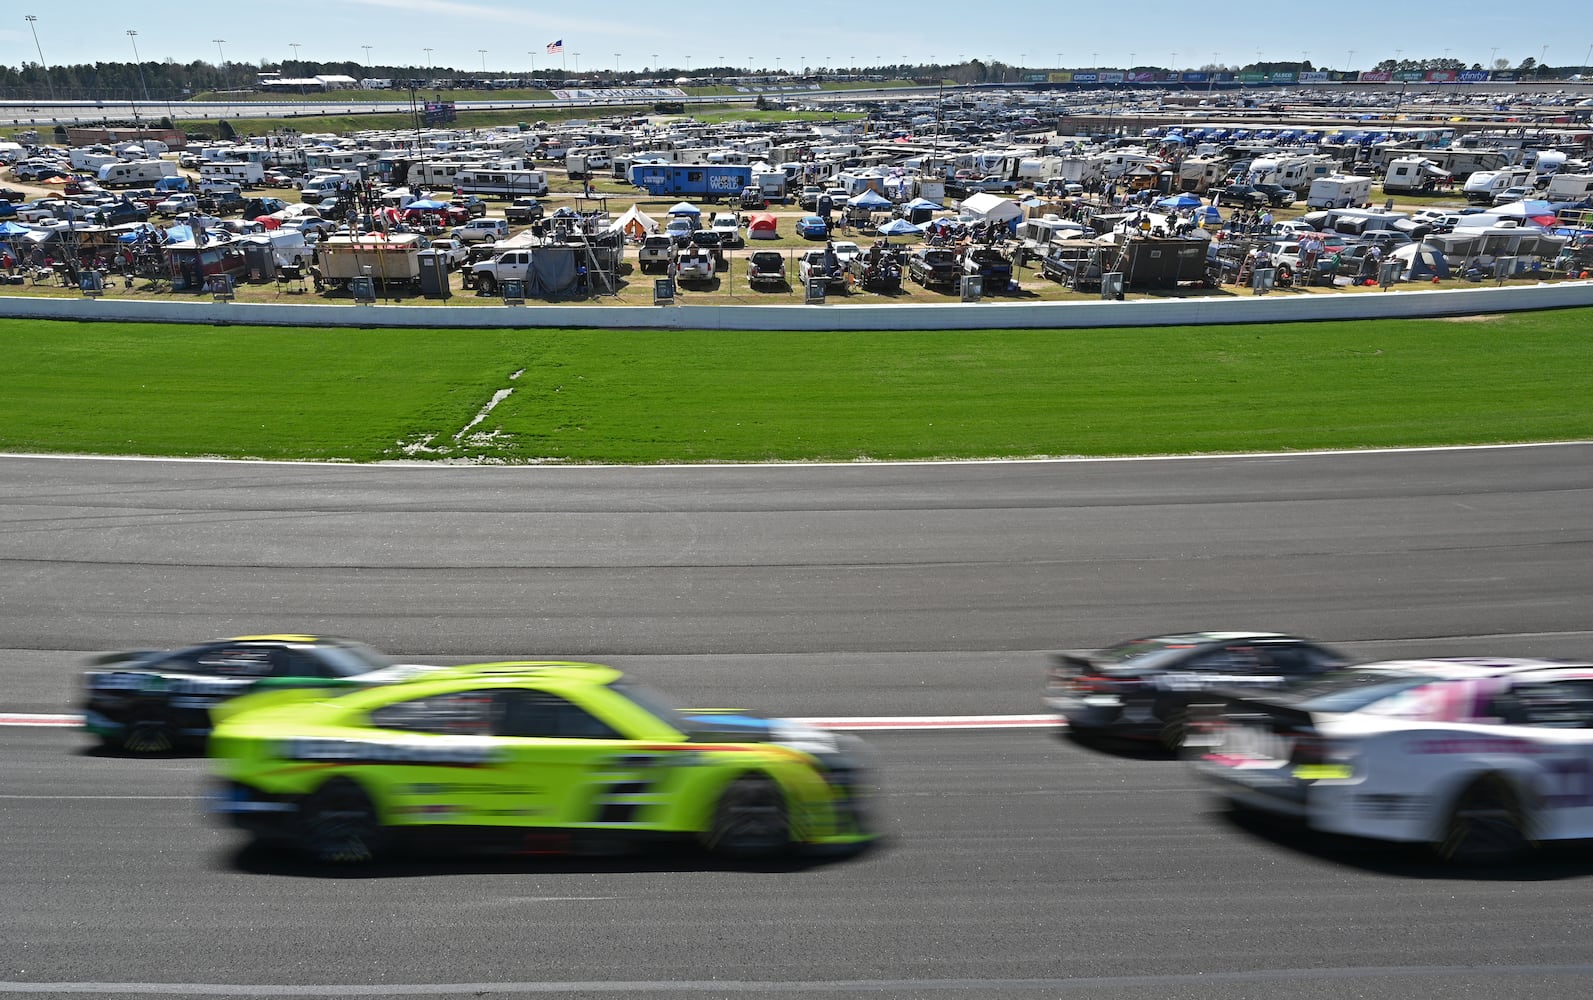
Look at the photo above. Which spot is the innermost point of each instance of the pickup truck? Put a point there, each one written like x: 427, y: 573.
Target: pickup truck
x: 38, y: 211
x: 523, y: 211
x: 1278, y: 196
x: 511, y: 265
x: 991, y: 265
x: 931, y: 267
x: 990, y: 183
x: 655, y: 252
x: 766, y: 267
x: 1242, y: 195
x: 821, y: 264
x: 121, y: 212
x: 177, y: 204
x: 454, y: 253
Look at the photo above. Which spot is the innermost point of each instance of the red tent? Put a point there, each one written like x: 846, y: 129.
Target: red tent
x: 761, y: 226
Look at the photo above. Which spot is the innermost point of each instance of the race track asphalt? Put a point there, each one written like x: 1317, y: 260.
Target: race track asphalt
x: 1018, y: 863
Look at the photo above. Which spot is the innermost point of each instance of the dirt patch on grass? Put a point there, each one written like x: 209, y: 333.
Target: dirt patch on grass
x: 1481, y: 318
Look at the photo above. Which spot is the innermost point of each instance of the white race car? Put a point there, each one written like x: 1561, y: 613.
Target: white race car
x: 1480, y: 758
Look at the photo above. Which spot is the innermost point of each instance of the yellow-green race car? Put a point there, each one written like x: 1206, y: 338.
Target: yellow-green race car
x: 533, y: 757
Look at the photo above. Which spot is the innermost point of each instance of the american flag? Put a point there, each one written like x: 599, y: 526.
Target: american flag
x: 557, y: 46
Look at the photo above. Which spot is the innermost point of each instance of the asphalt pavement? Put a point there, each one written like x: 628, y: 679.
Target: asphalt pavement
x: 1017, y: 864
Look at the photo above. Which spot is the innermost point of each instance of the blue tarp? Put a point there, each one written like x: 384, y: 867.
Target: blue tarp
x: 178, y: 234
x: 427, y: 205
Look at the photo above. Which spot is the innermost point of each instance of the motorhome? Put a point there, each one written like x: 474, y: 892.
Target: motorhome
x: 503, y: 183
x: 91, y: 158
x: 139, y: 173
x: 336, y: 159
x: 1297, y: 173
x: 1339, y: 191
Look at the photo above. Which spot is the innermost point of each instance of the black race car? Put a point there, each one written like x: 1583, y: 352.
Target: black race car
x: 1144, y: 688
x: 153, y: 701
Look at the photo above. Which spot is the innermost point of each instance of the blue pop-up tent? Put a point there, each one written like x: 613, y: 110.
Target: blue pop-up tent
x: 1185, y: 200
x: 9, y: 228
x: 899, y: 227
x: 869, y: 199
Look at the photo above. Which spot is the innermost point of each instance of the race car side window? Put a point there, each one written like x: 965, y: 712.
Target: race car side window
x: 461, y: 713
x: 539, y: 714
x: 237, y: 661
x: 293, y: 663
x: 1551, y: 704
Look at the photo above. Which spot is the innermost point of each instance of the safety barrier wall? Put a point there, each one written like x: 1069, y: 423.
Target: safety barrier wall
x: 930, y: 316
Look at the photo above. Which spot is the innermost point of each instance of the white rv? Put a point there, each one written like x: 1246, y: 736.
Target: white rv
x: 1569, y: 187
x: 1484, y: 184
x: 504, y: 183
x: 139, y: 173
x: 241, y: 173
x: 1339, y: 191
x: 1407, y: 174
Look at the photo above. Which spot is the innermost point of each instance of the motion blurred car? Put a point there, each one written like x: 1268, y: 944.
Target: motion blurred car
x: 1144, y: 688
x: 1477, y: 758
x: 529, y: 756
x: 153, y: 701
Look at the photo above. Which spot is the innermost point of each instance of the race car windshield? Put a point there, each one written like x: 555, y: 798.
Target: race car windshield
x: 1353, y: 690
x: 350, y: 658
x: 1144, y: 652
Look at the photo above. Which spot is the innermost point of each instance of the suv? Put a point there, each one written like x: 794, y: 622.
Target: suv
x: 655, y: 251
x: 809, y: 198
x: 694, y: 264
x: 482, y: 230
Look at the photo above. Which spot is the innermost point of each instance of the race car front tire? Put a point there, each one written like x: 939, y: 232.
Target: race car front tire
x: 339, y: 824
x: 751, y: 820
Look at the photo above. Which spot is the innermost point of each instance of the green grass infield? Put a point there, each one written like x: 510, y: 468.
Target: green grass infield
x: 588, y: 396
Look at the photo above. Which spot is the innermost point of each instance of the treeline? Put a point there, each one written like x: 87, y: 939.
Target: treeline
x: 175, y: 81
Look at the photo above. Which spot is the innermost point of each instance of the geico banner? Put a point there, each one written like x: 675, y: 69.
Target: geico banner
x: 618, y: 94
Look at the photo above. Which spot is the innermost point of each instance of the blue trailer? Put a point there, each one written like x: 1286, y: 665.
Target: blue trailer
x: 709, y: 180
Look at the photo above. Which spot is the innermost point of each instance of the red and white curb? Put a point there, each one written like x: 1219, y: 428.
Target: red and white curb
x: 876, y: 723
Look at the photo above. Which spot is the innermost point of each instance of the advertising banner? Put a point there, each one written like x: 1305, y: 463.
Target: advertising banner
x: 1376, y: 76
x: 1111, y: 76
x: 1441, y: 76
x: 1288, y: 77
x: 1061, y: 77
x: 623, y: 93
x: 1473, y: 76
x: 1252, y: 78
x: 1195, y: 77
x: 1314, y: 76
x: 1086, y: 78
x: 1141, y: 76
x: 1410, y: 76
x: 1504, y: 75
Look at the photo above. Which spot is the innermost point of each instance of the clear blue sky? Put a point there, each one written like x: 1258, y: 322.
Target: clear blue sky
x: 758, y: 33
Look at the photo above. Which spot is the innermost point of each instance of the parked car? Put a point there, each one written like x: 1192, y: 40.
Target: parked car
x: 484, y: 230
x: 1144, y: 688
x: 809, y: 198
x: 523, y: 211
x: 654, y: 253
x: 12, y: 195
x: 1512, y: 194
x: 820, y: 265
x: 178, y: 204
x: 455, y: 253
x: 1278, y: 196
x: 766, y: 267
x: 812, y: 227
x: 992, y: 184
x: 694, y: 264
x: 680, y: 228
x: 473, y: 207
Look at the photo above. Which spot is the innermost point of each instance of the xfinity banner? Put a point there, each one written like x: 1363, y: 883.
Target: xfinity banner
x: 1473, y: 76
x: 619, y: 94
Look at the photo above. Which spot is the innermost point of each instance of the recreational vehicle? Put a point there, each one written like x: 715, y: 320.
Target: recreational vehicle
x: 1408, y: 174
x: 1339, y: 191
x: 1484, y: 184
x: 502, y: 183
x: 242, y: 172
x: 139, y: 173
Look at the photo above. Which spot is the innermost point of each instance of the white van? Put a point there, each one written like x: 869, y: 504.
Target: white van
x: 321, y: 187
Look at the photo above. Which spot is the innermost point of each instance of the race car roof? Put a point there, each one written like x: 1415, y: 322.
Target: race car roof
x: 1467, y: 667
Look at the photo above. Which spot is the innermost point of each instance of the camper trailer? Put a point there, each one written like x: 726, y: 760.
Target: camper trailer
x: 1570, y: 187
x: 1484, y: 184
x: 139, y: 173
x: 704, y: 179
x: 92, y: 158
x: 1409, y: 174
x: 1339, y: 191
x: 242, y: 173
x: 501, y: 183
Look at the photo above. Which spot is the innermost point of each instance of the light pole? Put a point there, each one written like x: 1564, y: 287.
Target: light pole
x: 295, y: 47
x: 616, y: 63
x: 577, y: 64
x: 33, y: 24
x: 428, y: 59
x: 483, y: 61
x: 1349, y: 61
x: 1493, y: 54
x: 367, y: 49
x: 132, y: 36
x: 220, y: 55
x: 533, y: 54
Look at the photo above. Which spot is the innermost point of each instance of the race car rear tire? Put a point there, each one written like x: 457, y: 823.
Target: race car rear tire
x: 152, y: 735
x: 1175, y: 728
x: 338, y: 824
x: 1486, y: 825
x: 751, y: 820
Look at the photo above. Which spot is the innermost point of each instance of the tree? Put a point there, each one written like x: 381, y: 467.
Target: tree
x: 226, y: 130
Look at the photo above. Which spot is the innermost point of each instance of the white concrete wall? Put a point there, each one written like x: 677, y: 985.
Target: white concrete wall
x: 1276, y: 308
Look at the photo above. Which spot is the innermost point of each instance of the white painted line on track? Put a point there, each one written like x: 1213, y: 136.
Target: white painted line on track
x: 877, y: 723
